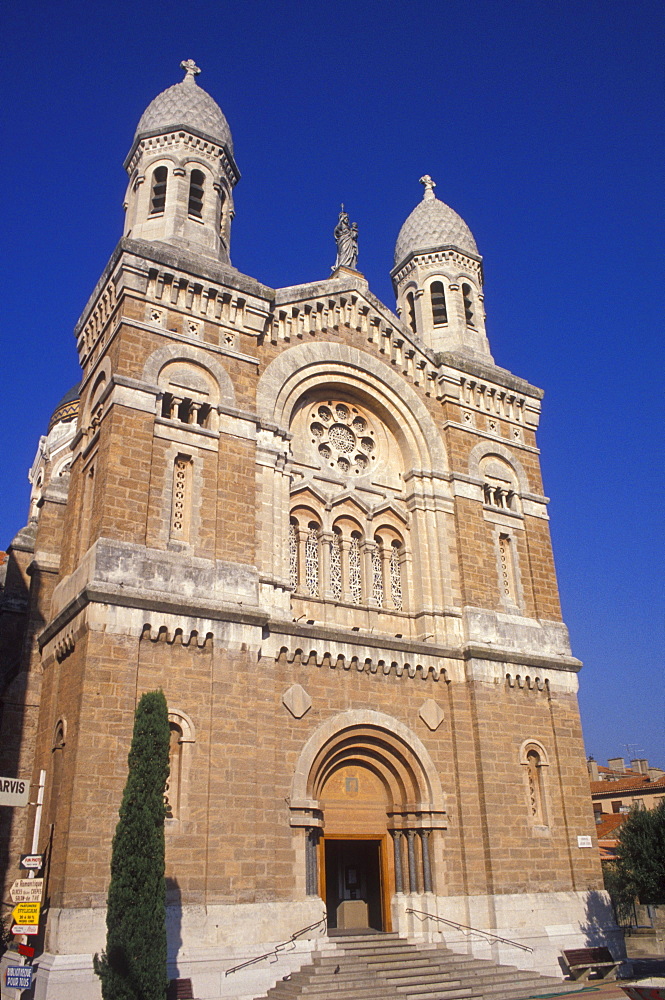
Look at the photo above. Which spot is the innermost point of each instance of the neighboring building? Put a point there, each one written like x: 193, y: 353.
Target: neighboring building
x: 615, y: 790
x: 320, y: 527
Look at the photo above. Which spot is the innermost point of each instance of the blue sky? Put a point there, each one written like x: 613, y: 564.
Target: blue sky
x: 541, y: 122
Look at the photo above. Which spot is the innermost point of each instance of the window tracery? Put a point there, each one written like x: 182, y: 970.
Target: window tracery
x: 377, y: 574
x: 355, y: 573
x: 336, y: 565
x: 293, y: 554
x: 343, y: 439
x: 396, y: 576
x: 312, y: 560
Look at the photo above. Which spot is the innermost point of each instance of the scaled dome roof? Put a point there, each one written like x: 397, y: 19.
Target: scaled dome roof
x: 186, y: 103
x: 433, y: 224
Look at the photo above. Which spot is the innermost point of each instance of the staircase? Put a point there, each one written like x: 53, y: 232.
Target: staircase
x: 387, y: 967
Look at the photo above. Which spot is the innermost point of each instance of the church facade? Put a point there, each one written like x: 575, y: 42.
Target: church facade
x: 319, y: 526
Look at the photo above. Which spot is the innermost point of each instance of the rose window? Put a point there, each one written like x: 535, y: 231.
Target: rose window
x: 343, y: 439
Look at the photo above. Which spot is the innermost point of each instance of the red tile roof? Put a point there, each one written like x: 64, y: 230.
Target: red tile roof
x: 608, y: 824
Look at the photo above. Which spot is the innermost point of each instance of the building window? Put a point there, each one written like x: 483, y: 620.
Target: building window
x: 377, y: 574
x: 173, y: 782
x: 499, y: 496
x: 293, y: 555
x: 535, y: 778
x: 158, y: 197
x: 467, y: 295
x: 438, y: 297
x: 336, y: 564
x: 196, y: 183
x: 355, y: 573
x: 312, y: 560
x: 411, y: 311
x: 182, y: 489
x: 507, y: 568
x: 396, y: 576
x: 186, y: 410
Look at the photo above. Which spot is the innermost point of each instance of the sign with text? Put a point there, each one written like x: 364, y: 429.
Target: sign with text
x: 14, y: 792
x: 31, y: 861
x: 584, y: 842
x: 25, y: 929
x: 26, y: 913
x: 18, y: 977
x: 27, y: 890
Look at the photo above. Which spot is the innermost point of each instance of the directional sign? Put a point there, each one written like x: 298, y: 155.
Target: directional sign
x: 19, y: 977
x: 25, y: 929
x: 27, y: 890
x: 14, y: 792
x: 26, y: 913
x: 31, y: 861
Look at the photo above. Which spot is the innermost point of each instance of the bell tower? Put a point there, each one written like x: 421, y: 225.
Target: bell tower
x: 182, y: 172
x: 438, y: 279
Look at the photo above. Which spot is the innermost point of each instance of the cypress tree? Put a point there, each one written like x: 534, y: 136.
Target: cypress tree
x: 133, y: 967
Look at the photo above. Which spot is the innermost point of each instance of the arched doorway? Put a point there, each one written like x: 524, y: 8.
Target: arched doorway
x: 369, y: 798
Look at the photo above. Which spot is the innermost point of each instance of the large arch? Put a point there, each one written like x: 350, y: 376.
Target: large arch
x: 188, y: 352
x: 382, y: 742
x: 307, y: 367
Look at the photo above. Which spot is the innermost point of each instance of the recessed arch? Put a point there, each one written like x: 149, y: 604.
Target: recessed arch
x: 310, y: 367
x: 371, y: 736
x: 485, y: 449
x: 187, y: 352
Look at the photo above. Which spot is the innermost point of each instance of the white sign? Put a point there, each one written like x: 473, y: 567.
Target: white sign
x: 584, y: 842
x: 27, y: 890
x: 25, y: 929
x: 14, y: 792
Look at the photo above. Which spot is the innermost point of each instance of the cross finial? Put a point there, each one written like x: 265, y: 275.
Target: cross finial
x: 429, y: 186
x: 190, y: 68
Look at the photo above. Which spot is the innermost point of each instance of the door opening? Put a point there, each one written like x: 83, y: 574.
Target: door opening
x: 353, y: 884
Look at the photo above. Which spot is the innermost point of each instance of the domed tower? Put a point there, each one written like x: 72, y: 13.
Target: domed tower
x: 438, y: 278
x: 182, y: 171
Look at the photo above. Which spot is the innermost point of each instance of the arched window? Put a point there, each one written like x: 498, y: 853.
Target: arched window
x: 377, y: 572
x: 534, y: 759
x: 173, y: 782
x: 536, y: 798
x: 196, y: 183
x: 158, y: 197
x: 467, y: 294
x: 411, y: 311
x: 355, y: 574
x: 438, y: 297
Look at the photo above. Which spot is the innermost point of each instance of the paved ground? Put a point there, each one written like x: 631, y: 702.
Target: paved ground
x: 643, y: 968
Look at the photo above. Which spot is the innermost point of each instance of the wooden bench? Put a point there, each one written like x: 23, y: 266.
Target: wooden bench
x: 179, y: 989
x: 583, y: 961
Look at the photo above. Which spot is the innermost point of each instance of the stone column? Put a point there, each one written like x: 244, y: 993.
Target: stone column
x: 427, y: 868
x: 311, y: 864
x: 397, y: 849
x: 413, y: 877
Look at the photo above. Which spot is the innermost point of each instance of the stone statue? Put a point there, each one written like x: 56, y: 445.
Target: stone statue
x: 346, y: 237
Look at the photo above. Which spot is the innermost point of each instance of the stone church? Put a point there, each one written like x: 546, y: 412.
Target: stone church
x: 319, y: 526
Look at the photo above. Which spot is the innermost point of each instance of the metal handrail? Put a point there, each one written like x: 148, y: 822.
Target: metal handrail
x: 278, y: 947
x: 474, y: 930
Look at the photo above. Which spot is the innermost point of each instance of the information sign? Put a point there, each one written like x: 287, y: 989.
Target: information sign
x: 14, y: 792
x: 25, y: 929
x: 27, y: 890
x: 25, y: 949
x: 26, y: 913
x: 19, y: 977
x: 31, y: 861
x: 584, y: 842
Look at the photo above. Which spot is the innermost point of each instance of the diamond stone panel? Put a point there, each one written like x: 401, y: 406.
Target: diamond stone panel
x: 431, y: 714
x: 297, y: 701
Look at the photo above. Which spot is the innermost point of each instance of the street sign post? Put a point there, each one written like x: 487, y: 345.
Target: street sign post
x: 27, y: 890
x: 18, y: 977
x: 14, y: 792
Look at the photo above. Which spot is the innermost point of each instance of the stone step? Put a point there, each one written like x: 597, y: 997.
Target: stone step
x: 387, y: 967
